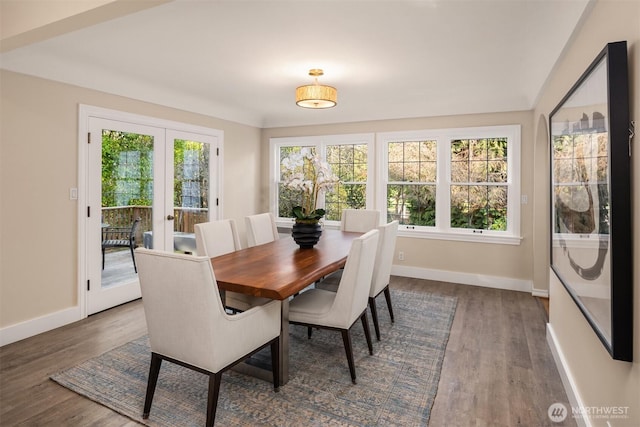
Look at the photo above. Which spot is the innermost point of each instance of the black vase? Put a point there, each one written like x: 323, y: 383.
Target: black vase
x: 306, y: 235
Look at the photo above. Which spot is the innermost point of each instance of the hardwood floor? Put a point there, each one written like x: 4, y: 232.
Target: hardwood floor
x: 29, y: 398
x: 497, y: 371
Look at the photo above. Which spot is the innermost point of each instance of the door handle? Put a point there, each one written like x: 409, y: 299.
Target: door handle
x: 170, y: 217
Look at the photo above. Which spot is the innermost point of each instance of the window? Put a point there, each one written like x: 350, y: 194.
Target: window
x: 479, y: 184
x: 350, y: 157
x: 411, y: 182
x: 460, y: 184
x: 191, y: 174
x: 453, y: 184
x: 349, y: 163
x: 127, y: 176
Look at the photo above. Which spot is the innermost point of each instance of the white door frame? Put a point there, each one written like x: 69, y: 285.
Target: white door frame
x: 86, y: 112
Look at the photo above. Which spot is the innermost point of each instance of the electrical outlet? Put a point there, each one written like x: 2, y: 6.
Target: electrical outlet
x: 401, y: 256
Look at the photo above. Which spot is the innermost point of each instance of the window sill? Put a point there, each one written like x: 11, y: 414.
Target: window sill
x: 461, y: 237
x: 285, y: 225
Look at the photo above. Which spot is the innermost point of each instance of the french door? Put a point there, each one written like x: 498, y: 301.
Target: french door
x: 146, y: 186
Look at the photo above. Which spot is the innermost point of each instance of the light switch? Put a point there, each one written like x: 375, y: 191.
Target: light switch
x: 73, y: 194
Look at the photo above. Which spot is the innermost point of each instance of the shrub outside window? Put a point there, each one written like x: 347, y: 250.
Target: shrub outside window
x: 411, y: 182
x: 349, y: 162
x: 479, y: 196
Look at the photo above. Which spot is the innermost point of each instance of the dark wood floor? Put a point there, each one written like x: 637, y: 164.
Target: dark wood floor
x: 497, y: 371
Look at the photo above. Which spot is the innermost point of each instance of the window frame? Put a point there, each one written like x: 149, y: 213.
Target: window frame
x: 444, y: 137
x: 320, y: 143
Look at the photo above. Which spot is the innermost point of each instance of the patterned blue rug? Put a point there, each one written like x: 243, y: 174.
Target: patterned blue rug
x: 396, y: 386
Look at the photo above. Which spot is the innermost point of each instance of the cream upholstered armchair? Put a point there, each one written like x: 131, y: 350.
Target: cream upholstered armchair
x: 359, y: 220
x: 220, y: 237
x: 382, y: 271
x: 215, y: 238
x: 261, y: 229
x: 187, y: 324
x: 340, y: 310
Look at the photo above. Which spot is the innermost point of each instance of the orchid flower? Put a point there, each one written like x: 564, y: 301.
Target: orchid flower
x: 306, y: 172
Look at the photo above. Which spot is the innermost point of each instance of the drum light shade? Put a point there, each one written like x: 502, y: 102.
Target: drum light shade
x: 316, y: 96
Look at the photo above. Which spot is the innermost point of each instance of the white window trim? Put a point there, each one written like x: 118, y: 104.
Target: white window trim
x: 320, y: 142
x: 443, y: 137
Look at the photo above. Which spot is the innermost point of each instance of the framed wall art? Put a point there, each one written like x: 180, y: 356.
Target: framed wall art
x: 591, y: 198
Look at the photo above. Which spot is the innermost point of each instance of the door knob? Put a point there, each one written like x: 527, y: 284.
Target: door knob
x: 170, y: 217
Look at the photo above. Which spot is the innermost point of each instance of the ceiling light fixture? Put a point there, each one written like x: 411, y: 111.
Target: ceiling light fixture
x: 316, y: 95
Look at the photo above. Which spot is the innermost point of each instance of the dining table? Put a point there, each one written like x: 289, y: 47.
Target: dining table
x: 279, y: 270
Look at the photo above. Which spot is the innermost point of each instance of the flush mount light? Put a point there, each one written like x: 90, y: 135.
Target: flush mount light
x: 316, y: 95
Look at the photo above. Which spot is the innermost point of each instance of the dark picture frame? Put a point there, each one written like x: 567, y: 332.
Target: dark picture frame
x: 591, y: 198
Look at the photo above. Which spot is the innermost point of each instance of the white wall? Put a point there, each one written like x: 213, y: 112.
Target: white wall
x: 38, y: 166
x: 594, y: 379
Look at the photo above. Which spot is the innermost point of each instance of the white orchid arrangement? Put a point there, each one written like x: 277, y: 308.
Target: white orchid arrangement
x: 306, y: 172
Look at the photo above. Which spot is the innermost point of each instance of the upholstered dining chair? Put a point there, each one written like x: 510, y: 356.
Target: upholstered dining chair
x: 356, y: 220
x: 382, y: 271
x: 188, y: 326
x: 261, y: 229
x: 220, y: 237
x: 359, y: 220
x: 340, y: 310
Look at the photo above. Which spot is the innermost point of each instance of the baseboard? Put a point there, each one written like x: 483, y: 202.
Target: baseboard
x: 542, y: 293
x: 36, y: 326
x: 568, y: 382
x: 496, y: 282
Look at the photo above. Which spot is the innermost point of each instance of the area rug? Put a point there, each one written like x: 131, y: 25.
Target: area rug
x: 396, y: 386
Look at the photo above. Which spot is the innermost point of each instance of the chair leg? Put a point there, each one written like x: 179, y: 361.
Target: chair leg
x: 367, y: 334
x: 154, y: 370
x: 309, y: 330
x: 133, y: 257
x: 387, y: 296
x: 275, y: 364
x: 212, y: 401
x: 346, y: 338
x: 374, y: 316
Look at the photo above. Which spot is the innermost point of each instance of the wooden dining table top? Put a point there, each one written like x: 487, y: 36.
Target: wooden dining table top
x: 279, y: 269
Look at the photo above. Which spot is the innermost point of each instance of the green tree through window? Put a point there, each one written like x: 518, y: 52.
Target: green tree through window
x: 127, y: 169
x: 478, y: 183
x: 411, y: 188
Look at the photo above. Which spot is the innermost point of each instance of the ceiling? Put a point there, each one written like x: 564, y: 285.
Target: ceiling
x: 242, y: 60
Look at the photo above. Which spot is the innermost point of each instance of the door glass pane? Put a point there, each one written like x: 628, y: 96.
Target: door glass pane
x: 127, y: 198
x: 190, y: 191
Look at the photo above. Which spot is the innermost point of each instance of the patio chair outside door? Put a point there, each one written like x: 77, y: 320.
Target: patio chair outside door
x: 119, y: 237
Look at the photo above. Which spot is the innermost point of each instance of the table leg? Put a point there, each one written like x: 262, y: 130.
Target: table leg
x: 259, y: 365
x: 284, y: 343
